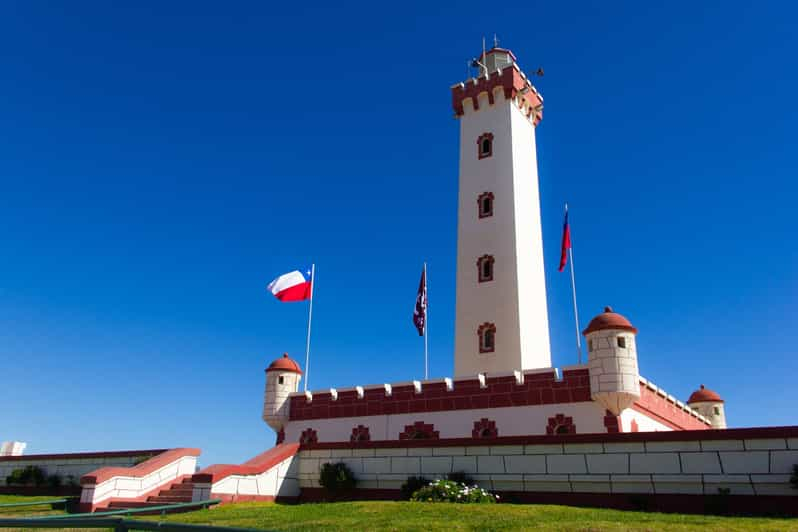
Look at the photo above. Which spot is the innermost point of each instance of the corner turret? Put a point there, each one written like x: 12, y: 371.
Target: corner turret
x: 282, y: 379
x: 612, y: 361
x: 710, y: 405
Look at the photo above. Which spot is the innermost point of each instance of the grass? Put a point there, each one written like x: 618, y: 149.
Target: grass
x: 26, y: 511
x: 428, y: 517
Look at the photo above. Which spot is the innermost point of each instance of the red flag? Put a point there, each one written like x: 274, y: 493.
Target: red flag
x: 566, y: 241
x: 420, y: 312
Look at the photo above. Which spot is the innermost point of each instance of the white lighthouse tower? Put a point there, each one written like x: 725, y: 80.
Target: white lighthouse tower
x: 501, y: 320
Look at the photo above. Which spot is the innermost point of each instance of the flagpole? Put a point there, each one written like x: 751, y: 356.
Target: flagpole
x: 573, y: 292
x: 426, y: 325
x: 310, y: 319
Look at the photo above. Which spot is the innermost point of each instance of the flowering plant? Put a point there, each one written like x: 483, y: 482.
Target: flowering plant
x: 448, y: 491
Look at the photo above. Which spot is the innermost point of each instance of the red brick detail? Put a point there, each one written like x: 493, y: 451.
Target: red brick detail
x: 76, y: 456
x: 481, y: 273
x: 510, y: 81
x: 255, y: 466
x: 308, y: 436
x: 485, y: 150
x: 635, y: 427
x: 621, y: 437
x: 481, y: 210
x: 484, y: 345
x: 561, y: 424
x: 660, y: 409
x: 613, y: 423
x: 280, y: 436
x: 485, y: 428
x: 360, y: 433
x: 538, y: 389
x: 419, y: 431
x: 143, y: 469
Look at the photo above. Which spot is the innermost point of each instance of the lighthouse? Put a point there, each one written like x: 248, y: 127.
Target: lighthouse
x: 501, y: 317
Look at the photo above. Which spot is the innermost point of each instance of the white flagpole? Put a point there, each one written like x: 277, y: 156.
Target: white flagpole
x: 310, y: 318
x: 426, y: 325
x: 573, y: 292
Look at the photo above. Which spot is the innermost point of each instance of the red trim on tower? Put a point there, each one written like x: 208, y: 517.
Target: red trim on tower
x: 510, y: 80
x: 612, y: 423
x: 419, y: 431
x: 660, y: 409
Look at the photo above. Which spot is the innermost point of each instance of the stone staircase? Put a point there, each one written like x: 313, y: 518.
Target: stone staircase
x: 174, y: 494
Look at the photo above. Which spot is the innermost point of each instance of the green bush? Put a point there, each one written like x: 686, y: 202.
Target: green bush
x: 54, y: 481
x: 794, y: 477
x: 448, y: 491
x: 412, y: 485
x: 28, y: 476
x: 461, y: 477
x: 337, y: 478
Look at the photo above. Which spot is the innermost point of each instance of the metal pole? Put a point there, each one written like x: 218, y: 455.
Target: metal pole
x: 310, y: 318
x: 573, y: 292
x: 426, y: 325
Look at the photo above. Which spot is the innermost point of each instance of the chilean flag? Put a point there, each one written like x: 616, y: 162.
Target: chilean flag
x: 293, y: 286
x: 566, y: 241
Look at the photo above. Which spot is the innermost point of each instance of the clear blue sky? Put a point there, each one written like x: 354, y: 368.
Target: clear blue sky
x: 160, y: 163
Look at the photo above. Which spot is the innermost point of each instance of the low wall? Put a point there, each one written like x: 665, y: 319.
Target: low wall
x: 571, y: 469
x: 69, y: 466
x: 138, y: 482
x: 267, y: 476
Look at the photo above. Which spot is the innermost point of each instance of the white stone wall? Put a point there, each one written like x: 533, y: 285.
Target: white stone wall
x: 510, y: 421
x: 130, y: 487
x: 66, y: 466
x: 276, y: 405
x: 747, y: 467
x: 644, y: 423
x: 614, y: 377
x: 515, y: 300
x: 281, y: 480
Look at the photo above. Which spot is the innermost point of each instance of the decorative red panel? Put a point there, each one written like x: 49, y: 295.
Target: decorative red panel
x: 612, y: 423
x: 561, y: 424
x: 485, y: 428
x: 308, y: 436
x: 360, y: 433
x: 419, y: 431
x: 635, y: 428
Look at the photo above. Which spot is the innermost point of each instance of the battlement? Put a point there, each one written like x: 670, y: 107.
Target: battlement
x: 518, y: 388
x: 509, y: 81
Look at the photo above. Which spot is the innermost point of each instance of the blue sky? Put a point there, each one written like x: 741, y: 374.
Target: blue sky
x: 160, y: 163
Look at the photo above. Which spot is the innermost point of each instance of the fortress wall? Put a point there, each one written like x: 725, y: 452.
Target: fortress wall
x: 744, y: 461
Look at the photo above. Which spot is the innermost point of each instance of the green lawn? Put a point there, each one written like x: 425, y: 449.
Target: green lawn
x: 358, y: 516
x: 26, y: 511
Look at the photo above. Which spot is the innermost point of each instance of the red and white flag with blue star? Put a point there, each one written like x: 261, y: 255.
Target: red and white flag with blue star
x: 295, y: 285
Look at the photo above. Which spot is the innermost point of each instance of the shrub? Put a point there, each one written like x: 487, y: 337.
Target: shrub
x: 461, y: 477
x: 54, y: 481
x: 794, y: 477
x: 337, y: 478
x: 412, y: 485
x: 28, y: 476
x: 448, y: 491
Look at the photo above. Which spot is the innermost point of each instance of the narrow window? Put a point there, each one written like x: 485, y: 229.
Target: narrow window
x: 717, y: 410
x: 621, y: 341
x: 280, y: 379
x: 485, y: 145
x: 590, y: 345
x: 485, y: 268
x: 487, y: 338
x: 485, y: 204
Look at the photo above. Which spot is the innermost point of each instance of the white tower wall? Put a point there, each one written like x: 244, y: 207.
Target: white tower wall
x: 708, y: 409
x: 276, y: 401
x: 515, y: 300
x: 614, y: 376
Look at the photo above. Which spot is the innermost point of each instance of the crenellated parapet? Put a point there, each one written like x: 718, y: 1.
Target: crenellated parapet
x: 509, y: 83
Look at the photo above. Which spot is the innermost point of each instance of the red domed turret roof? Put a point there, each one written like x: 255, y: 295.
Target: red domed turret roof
x: 284, y: 363
x: 704, y: 395
x: 609, y: 320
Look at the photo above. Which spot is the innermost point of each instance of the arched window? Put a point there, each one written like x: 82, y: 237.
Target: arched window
x: 485, y: 204
x: 487, y: 338
x: 485, y: 268
x: 485, y: 145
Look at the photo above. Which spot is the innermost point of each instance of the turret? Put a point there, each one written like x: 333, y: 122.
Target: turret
x: 612, y: 360
x: 282, y: 378
x: 710, y: 405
